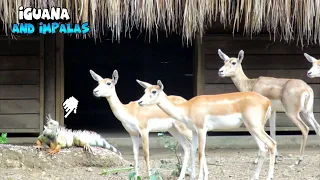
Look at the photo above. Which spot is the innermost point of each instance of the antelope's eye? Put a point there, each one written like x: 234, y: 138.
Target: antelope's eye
x: 153, y: 92
x: 233, y: 63
x: 108, y: 83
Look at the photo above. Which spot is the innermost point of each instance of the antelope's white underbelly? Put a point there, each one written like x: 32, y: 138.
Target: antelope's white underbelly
x: 160, y: 125
x: 223, y: 122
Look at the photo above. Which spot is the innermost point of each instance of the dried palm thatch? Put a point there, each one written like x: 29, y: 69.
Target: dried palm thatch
x: 289, y: 20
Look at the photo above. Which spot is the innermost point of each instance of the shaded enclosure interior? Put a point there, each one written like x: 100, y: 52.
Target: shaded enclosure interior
x: 134, y: 58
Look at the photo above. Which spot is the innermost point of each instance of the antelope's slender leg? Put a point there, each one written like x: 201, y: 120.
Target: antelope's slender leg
x: 265, y: 143
x: 145, y: 146
x: 186, y: 148
x: 194, y: 146
x: 293, y: 108
x: 135, y: 142
x: 296, y: 119
x: 309, y: 116
x: 272, y: 124
x: 202, y: 157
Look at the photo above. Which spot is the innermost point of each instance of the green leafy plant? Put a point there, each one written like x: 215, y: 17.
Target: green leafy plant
x: 170, y: 144
x: 3, y: 138
x: 132, y: 175
x: 156, y: 176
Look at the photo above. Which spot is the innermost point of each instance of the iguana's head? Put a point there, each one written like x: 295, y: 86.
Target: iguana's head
x: 51, y: 127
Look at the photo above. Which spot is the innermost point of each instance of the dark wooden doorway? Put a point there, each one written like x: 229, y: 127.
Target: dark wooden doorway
x: 134, y: 58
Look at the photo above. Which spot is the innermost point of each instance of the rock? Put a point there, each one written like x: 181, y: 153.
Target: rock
x: 12, y: 163
x: 89, y: 169
x: 14, y: 156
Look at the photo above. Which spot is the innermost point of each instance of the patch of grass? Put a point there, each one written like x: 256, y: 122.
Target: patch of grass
x: 155, y: 175
x: 108, y: 171
x: 170, y: 144
x: 3, y: 138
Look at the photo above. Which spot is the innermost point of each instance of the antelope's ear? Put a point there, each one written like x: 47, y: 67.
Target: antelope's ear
x: 115, y: 77
x: 241, y: 55
x: 159, y: 83
x: 95, y: 76
x: 222, y: 55
x: 143, y: 84
x: 309, y: 58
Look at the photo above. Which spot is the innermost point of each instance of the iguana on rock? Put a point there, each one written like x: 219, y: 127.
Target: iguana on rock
x: 58, y: 137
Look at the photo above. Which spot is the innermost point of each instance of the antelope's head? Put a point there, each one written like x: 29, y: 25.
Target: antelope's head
x: 232, y: 65
x: 106, y: 86
x: 152, y: 93
x: 315, y: 69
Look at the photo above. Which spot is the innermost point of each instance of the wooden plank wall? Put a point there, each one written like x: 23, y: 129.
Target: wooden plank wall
x: 20, y: 84
x: 262, y: 57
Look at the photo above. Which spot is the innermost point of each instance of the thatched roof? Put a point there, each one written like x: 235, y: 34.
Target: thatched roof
x: 287, y: 19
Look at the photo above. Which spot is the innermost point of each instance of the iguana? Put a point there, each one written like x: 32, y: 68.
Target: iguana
x: 58, y: 137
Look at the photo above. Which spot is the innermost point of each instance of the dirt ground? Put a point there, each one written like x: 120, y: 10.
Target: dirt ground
x: 23, y: 162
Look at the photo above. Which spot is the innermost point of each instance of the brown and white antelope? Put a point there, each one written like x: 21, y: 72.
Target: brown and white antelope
x: 315, y: 69
x: 292, y: 96
x: 139, y: 120
x: 211, y: 112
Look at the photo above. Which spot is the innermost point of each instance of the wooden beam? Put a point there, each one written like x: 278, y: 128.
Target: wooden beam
x: 19, y: 62
x: 19, y: 106
x: 49, y: 76
x: 19, y: 121
x: 19, y: 77
x: 19, y: 92
x: 41, y: 84
x: 22, y: 140
x: 257, y: 45
x: 199, y: 66
x: 15, y: 130
x: 60, y: 78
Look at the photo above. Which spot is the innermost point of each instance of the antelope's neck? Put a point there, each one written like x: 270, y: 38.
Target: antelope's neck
x: 242, y: 82
x: 176, y: 111
x: 118, y: 109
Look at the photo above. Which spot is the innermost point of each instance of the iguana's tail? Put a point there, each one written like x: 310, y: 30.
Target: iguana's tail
x: 94, y: 139
x: 105, y: 144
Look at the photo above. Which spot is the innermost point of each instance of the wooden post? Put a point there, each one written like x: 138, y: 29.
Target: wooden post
x: 199, y: 65
x: 49, y: 76
x: 60, y: 78
x: 41, y: 82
